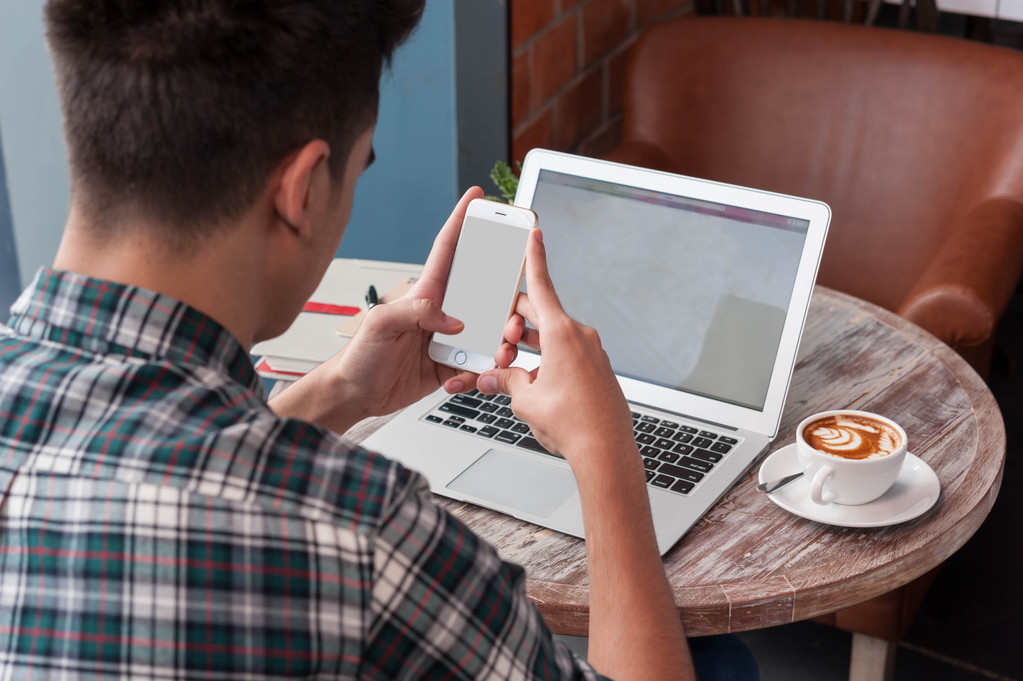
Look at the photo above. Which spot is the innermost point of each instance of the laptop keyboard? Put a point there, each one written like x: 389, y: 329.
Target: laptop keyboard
x: 677, y: 456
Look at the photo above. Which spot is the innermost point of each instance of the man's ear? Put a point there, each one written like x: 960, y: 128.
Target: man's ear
x: 300, y: 188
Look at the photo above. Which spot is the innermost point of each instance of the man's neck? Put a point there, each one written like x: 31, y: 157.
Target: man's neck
x: 221, y: 277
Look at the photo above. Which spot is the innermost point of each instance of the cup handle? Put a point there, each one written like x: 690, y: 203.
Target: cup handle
x: 817, y: 492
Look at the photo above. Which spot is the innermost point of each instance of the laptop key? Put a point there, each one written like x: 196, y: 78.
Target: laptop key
x: 459, y: 410
x: 645, y: 439
x: 488, y: 431
x: 508, y: 437
x: 682, y: 487
x: 664, y: 443
x: 650, y: 475
x: 679, y: 472
x: 721, y: 447
x: 486, y: 418
x: 452, y: 424
x: 662, y: 481
x: 466, y: 400
x: 683, y: 437
x: 489, y: 407
x: 688, y: 429
x: 650, y: 419
x: 670, y: 457
x: 646, y: 427
x: 707, y: 455
x: 502, y: 399
x: 434, y: 419
x: 664, y: 432
x: 467, y: 428
x: 504, y: 423
x: 728, y: 440
x: 532, y: 443
x: 650, y: 464
x: 696, y: 464
x: 682, y: 449
x: 708, y: 434
x: 701, y: 442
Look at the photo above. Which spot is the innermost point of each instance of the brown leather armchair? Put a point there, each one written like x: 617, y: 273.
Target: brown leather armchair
x: 916, y: 143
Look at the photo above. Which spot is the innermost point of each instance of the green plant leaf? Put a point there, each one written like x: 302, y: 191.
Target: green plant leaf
x: 505, y: 180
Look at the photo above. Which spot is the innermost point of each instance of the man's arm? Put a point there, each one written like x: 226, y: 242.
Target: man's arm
x: 635, y: 631
x: 444, y: 605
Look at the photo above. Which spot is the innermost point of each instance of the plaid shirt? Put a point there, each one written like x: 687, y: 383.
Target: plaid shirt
x: 158, y: 520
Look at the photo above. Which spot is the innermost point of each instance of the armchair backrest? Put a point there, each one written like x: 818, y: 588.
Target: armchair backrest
x: 903, y: 134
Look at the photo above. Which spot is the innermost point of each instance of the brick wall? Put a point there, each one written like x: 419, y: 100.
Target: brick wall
x: 567, y: 66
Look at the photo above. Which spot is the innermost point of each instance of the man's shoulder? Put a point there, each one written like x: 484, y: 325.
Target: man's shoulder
x: 139, y: 388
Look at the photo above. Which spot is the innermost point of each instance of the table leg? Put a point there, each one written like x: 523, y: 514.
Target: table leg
x: 873, y: 659
x: 873, y: 7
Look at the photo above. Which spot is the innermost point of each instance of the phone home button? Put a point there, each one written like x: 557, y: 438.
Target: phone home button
x: 460, y: 358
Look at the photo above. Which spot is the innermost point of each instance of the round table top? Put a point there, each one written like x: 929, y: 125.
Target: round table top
x: 749, y: 564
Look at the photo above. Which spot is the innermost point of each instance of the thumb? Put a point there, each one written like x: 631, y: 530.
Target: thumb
x: 507, y: 381
x: 429, y: 317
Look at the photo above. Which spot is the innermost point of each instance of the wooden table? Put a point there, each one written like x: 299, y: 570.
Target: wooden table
x: 749, y: 564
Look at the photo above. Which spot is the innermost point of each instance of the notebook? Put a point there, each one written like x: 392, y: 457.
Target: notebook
x: 699, y: 291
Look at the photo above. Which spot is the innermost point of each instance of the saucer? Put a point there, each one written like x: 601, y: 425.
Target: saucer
x: 914, y: 492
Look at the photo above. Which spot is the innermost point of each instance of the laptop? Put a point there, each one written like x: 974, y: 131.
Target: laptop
x: 699, y: 291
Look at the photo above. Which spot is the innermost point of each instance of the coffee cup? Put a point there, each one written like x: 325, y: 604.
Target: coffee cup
x: 850, y: 457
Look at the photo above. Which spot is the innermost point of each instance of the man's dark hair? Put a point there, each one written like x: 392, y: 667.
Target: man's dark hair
x: 181, y: 109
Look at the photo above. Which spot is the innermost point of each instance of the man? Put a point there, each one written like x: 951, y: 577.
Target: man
x: 157, y: 517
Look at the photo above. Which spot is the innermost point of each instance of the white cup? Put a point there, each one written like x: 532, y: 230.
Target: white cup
x: 835, y: 478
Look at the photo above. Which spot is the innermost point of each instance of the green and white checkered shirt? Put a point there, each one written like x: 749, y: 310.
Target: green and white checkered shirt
x: 158, y: 520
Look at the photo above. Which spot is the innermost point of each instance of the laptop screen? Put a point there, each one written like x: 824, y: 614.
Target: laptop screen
x: 685, y: 293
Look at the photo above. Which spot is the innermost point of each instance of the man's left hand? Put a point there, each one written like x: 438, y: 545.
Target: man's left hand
x: 385, y: 366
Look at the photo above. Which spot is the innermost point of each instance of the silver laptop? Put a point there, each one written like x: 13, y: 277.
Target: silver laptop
x: 699, y: 291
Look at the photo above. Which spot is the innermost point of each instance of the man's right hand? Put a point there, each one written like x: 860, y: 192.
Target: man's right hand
x: 575, y: 374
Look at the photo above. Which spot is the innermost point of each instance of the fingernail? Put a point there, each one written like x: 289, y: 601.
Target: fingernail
x: 456, y: 386
x: 539, y: 235
x: 487, y: 384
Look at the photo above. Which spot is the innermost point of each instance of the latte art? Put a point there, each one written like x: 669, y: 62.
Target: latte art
x: 852, y: 437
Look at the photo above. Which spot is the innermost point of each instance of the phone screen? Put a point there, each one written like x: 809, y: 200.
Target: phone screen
x: 483, y: 283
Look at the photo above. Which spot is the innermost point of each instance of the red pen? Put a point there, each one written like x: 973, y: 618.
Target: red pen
x: 327, y: 308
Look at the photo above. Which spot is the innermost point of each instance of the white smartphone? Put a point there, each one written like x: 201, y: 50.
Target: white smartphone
x: 483, y: 284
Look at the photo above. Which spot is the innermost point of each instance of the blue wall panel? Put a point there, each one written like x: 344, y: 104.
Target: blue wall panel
x: 37, y: 181
x: 405, y: 196
x: 9, y: 280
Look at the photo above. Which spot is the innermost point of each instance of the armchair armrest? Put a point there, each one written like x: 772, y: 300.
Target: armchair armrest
x: 963, y: 293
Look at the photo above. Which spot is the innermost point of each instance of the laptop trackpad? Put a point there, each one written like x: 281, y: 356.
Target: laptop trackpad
x: 524, y: 483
